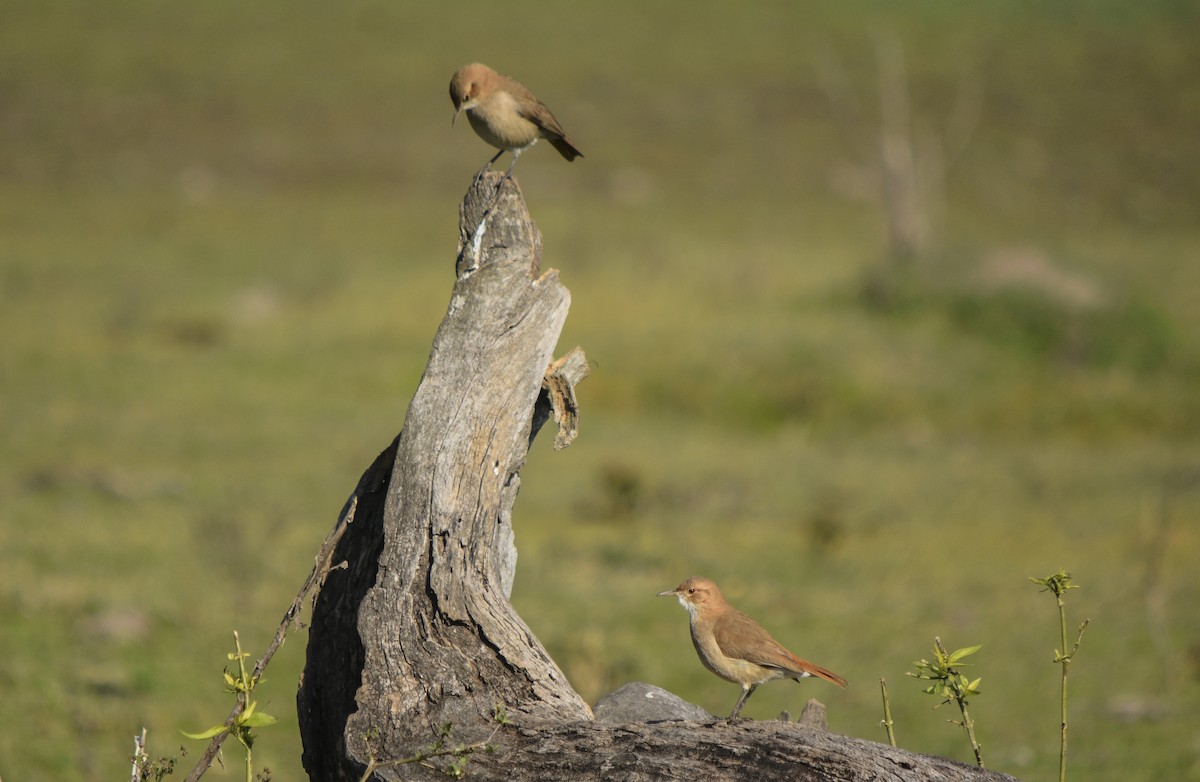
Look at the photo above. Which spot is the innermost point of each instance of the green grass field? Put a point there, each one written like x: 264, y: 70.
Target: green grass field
x: 227, y: 237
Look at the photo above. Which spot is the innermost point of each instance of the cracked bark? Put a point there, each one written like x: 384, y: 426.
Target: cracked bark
x: 418, y: 630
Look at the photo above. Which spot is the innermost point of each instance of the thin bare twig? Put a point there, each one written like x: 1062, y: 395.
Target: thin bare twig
x: 139, y: 753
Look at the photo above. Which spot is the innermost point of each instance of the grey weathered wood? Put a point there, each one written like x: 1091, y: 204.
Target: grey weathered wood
x: 714, y: 751
x: 416, y: 631
x: 442, y: 642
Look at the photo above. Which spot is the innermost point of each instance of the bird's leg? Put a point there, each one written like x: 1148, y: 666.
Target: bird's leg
x: 500, y: 188
x: 747, y: 691
x: 515, y: 155
x: 488, y: 167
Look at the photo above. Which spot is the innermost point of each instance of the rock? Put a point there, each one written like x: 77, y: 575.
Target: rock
x: 641, y: 702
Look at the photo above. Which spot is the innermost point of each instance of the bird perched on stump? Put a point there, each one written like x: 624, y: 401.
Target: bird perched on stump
x: 734, y: 646
x: 505, y: 114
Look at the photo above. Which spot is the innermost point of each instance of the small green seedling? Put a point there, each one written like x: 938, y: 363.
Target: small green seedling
x: 241, y: 726
x: 951, y: 685
x: 1058, y: 584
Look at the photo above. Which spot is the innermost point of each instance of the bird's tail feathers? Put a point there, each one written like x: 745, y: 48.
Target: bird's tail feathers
x: 564, y: 147
x: 811, y: 669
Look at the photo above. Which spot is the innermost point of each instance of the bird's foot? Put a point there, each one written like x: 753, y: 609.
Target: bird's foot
x: 480, y: 174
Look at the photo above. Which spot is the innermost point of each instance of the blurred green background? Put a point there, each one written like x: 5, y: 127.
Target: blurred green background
x: 227, y: 235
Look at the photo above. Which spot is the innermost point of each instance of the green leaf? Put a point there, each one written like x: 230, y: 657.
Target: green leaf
x: 500, y: 714
x: 259, y: 720
x: 961, y: 653
x: 208, y: 734
x: 247, y: 712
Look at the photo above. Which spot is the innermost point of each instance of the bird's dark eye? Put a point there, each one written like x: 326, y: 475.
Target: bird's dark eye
x: 692, y: 591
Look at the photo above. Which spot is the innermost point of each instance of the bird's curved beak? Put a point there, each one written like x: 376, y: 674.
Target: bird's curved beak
x: 456, y: 111
x: 668, y: 593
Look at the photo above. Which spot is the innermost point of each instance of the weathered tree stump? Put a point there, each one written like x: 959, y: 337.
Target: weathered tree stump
x: 416, y: 630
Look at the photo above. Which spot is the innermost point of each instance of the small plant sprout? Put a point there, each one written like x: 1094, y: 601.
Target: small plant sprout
x: 241, y: 725
x: 1058, y: 584
x: 951, y: 685
x: 887, y: 713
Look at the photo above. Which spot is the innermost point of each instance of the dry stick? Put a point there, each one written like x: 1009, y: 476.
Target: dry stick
x: 321, y: 568
x: 139, y: 750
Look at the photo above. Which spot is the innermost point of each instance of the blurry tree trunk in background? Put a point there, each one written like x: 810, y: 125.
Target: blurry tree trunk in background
x: 906, y: 161
x: 908, y: 228
x: 914, y: 162
x: 414, y: 650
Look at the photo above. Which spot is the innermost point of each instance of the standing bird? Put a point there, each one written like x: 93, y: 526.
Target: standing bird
x: 505, y: 114
x: 734, y: 646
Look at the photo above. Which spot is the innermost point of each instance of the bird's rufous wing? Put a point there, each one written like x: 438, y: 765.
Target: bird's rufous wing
x: 742, y: 638
x: 536, y: 112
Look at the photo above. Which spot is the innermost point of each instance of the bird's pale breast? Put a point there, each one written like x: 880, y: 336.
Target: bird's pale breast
x: 498, y: 121
x: 729, y: 668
